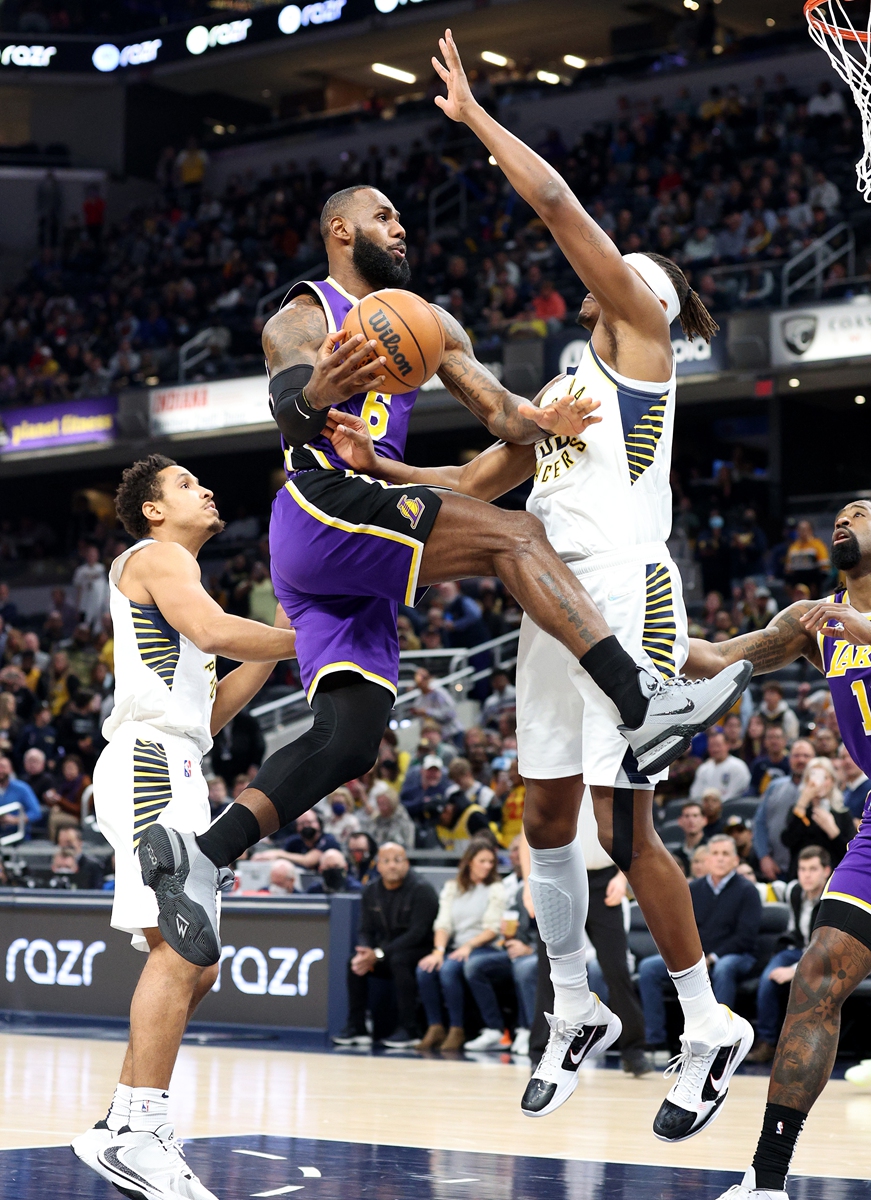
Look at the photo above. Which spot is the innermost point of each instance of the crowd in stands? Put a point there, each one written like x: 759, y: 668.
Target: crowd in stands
x: 734, y: 179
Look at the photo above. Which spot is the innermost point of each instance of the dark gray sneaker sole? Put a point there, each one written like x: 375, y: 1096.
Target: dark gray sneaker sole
x: 184, y: 923
x: 677, y: 740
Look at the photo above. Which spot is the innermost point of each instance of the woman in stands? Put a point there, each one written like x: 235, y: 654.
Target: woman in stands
x: 466, y: 930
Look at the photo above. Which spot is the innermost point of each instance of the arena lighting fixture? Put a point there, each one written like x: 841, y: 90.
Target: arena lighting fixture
x: 572, y: 60
x: 794, y: 382
x: 770, y: 22
x: 858, y: 399
x: 394, y: 73
x: 692, y: 5
x: 494, y: 59
x: 547, y: 77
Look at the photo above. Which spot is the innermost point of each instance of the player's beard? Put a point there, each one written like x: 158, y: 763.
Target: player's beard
x: 378, y: 266
x: 217, y: 526
x: 846, y: 554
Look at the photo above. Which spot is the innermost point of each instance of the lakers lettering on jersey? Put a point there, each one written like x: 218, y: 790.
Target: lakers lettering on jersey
x: 611, y: 489
x: 848, y: 670
x: 161, y: 678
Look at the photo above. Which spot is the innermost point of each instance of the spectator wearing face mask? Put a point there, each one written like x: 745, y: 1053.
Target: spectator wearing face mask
x: 334, y: 877
x: 396, y: 930
x: 306, y: 846
x: 282, y: 878
x: 339, y: 817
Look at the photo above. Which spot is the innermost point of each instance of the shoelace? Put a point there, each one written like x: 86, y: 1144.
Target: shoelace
x: 692, y: 1070
x: 681, y: 681
x: 553, y: 1054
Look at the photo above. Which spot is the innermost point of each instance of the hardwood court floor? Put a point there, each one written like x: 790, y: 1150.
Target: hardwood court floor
x: 55, y: 1087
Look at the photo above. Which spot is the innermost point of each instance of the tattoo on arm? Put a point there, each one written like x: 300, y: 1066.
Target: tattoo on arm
x: 294, y: 335
x: 480, y: 391
x: 780, y: 643
x: 833, y: 965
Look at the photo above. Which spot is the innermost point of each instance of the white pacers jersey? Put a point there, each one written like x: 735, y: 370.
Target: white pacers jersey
x: 161, y: 678
x: 610, y: 489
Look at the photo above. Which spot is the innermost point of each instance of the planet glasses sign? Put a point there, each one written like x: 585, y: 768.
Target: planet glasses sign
x: 200, y: 39
x: 27, y: 56
x: 292, y: 17
x: 109, y: 58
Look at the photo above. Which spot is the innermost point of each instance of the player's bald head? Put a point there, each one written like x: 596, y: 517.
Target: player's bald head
x: 347, y: 202
x: 865, y: 505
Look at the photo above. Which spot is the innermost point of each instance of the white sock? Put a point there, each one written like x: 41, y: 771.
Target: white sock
x: 704, y: 1019
x: 560, y: 893
x: 119, y: 1110
x: 148, y: 1109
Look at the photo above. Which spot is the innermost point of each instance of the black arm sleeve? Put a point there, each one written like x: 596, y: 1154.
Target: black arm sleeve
x: 298, y: 423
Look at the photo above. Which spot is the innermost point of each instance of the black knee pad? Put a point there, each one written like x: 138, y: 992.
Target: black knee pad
x: 351, y: 715
x: 622, y: 821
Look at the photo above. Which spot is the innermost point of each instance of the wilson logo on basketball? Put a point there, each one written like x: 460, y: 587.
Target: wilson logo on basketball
x: 380, y: 325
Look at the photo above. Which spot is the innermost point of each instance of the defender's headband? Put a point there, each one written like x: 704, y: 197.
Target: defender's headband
x: 657, y: 280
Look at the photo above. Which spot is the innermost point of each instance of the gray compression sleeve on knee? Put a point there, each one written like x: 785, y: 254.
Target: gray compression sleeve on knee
x: 622, y: 822
x: 560, y: 893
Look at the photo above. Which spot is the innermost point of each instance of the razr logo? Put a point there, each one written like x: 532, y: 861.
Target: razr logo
x: 51, y: 973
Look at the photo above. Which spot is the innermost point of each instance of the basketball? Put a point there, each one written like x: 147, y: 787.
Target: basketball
x: 408, y: 332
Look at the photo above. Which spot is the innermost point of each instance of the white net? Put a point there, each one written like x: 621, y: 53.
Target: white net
x: 849, y: 49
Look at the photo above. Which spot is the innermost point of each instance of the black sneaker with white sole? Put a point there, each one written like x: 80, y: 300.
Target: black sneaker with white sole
x: 679, y: 709
x: 186, y: 884
x: 556, y: 1076
x: 702, y: 1085
x: 350, y: 1036
x: 400, y: 1039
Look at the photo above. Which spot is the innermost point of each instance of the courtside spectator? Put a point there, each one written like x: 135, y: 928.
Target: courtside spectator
x: 818, y: 817
x: 37, y: 776
x: 728, y: 912
x: 775, y: 711
x: 334, y: 877
x: 461, y: 818
x: 391, y: 822
x: 362, y: 852
x: 397, y: 913
x: 807, y: 559
x: 282, y: 878
x: 773, y: 763
x: 692, y: 822
x: 16, y: 791
x: 89, y: 871
x: 712, y: 811
x: 306, y: 846
x: 339, y: 817
x: 424, y: 795
x: 463, y: 780
x: 721, y: 770
x: 218, y: 798
x: 65, y: 806
x: 503, y: 695
x: 522, y: 946
x: 468, y: 922
x: 854, y: 784
x: 699, y: 862
x: 774, y: 812
x: 803, y: 897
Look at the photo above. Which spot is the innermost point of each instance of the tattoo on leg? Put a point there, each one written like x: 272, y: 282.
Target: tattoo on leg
x: 574, y: 617
x: 832, y: 966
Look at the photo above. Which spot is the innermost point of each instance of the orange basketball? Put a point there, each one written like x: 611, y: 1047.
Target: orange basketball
x: 408, y: 332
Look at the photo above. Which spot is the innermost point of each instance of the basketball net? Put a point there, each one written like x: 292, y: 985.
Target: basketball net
x: 849, y: 51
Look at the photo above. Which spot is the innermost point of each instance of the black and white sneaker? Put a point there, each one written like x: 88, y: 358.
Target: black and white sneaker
x: 702, y: 1084
x: 151, y: 1166
x: 89, y: 1144
x: 186, y: 884
x: 747, y: 1190
x: 556, y: 1076
x: 351, y: 1037
x: 400, y: 1039
x: 680, y: 708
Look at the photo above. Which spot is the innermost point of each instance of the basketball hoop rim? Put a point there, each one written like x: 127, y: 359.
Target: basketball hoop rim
x: 833, y: 31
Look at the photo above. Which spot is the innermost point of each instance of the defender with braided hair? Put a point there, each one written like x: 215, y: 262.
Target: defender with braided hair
x: 605, y: 501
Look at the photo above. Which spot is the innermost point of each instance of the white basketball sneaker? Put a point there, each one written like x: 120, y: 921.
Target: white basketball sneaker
x: 151, y: 1166
x: 556, y: 1076
x: 702, y: 1084
x: 747, y: 1190
x: 679, y: 709
x: 89, y: 1144
x: 860, y: 1075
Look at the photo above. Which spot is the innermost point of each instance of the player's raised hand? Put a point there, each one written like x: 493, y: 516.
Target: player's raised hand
x: 569, y: 416
x: 459, y: 98
x: 351, y: 440
x: 344, y: 366
x: 840, y: 621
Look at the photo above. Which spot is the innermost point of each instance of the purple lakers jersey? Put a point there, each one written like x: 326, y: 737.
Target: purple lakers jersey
x: 387, y: 416
x: 848, y: 671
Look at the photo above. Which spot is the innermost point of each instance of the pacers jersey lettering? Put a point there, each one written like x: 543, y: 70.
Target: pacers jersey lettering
x: 848, y: 670
x: 387, y: 416
x: 609, y: 490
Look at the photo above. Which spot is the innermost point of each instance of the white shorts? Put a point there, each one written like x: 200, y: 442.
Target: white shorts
x: 565, y: 724
x: 145, y: 775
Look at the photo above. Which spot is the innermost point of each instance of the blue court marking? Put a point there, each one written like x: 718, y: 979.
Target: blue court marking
x: 326, y: 1170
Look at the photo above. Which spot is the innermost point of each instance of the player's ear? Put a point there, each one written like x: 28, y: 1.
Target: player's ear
x: 341, y: 229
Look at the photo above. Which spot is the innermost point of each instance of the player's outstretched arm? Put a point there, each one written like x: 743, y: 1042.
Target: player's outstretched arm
x: 171, y: 575
x: 242, y: 685
x: 783, y: 641
x: 592, y: 254
x: 509, y: 417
